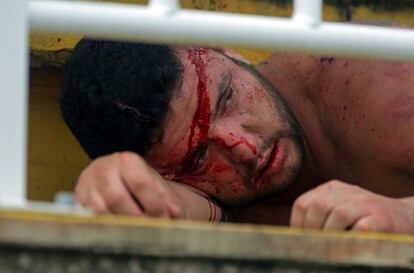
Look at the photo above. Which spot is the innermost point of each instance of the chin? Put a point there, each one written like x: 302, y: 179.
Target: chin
x: 282, y: 180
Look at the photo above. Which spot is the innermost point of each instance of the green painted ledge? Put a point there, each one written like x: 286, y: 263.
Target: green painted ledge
x: 33, y: 242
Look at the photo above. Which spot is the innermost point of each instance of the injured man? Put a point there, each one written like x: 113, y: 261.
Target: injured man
x: 198, y: 133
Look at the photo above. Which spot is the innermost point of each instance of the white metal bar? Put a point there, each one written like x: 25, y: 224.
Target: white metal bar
x: 13, y: 101
x: 307, y: 11
x: 136, y: 23
x: 164, y: 6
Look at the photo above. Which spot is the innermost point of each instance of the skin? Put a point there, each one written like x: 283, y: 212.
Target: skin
x: 355, y: 121
x: 221, y: 145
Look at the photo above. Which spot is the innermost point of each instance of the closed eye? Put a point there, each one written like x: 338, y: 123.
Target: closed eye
x: 222, y: 92
x: 227, y: 100
x: 196, y: 160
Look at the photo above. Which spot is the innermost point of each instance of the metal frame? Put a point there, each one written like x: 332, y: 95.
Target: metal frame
x: 162, y: 21
x: 13, y: 101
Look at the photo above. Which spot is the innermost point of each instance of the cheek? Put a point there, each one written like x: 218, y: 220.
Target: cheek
x: 220, y: 171
x: 250, y: 97
x: 220, y: 180
x: 217, y: 171
x: 262, y: 96
x: 167, y: 164
x: 257, y: 98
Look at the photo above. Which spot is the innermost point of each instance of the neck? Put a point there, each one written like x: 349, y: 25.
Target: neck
x: 295, y: 77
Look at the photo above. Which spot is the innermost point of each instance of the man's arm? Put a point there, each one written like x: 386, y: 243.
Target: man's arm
x: 123, y: 183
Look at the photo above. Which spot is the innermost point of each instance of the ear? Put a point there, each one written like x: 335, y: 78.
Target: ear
x: 232, y: 54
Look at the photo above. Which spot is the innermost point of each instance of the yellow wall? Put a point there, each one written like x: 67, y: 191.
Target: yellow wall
x: 55, y: 158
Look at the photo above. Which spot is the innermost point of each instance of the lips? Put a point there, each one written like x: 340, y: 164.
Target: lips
x: 271, y: 163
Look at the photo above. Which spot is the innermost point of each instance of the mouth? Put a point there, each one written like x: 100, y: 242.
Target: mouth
x: 271, y: 163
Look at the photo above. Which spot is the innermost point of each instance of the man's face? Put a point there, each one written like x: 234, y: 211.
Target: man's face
x: 227, y: 132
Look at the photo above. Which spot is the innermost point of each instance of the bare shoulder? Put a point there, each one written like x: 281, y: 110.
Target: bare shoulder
x: 376, y: 100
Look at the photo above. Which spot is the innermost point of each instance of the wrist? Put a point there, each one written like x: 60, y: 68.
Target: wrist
x: 195, y: 204
x: 216, y: 213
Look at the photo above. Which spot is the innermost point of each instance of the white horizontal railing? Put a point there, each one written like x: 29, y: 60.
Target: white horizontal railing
x: 304, y: 32
x: 162, y: 21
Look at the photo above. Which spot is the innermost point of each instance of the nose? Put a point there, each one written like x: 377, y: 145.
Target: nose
x: 234, y: 141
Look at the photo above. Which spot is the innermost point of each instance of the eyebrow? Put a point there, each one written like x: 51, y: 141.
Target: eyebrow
x: 221, y: 92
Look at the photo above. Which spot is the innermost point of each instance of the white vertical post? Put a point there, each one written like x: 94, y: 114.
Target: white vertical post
x: 13, y: 101
x: 164, y: 6
x: 307, y: 12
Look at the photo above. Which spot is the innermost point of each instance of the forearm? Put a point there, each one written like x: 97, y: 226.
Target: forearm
x: 197, y: 204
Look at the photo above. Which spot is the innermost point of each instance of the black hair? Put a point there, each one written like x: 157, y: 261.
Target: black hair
x: 115, y: 95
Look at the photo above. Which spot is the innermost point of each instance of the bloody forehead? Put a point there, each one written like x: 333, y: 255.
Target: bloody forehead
x: 202, y: 116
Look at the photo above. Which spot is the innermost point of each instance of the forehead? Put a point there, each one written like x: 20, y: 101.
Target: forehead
x: 203, y: 70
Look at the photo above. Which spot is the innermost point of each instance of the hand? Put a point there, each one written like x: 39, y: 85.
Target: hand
x: 123, y: 183
x: 337, y: 205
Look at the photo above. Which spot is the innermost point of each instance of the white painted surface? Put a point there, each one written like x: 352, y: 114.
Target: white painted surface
x: 140, y: 23
x: 307, y: 11
x: 13, y: 101
x: 164, y: 6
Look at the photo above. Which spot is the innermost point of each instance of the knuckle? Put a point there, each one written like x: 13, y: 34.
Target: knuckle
x: 319, y: 204
x: 127, y: 157
x: 366, y: 203
x: 341, y: 214
x: 84, y: 176
x: 103, y: 166
x: 300, y: 204
x: 114, y: 199
x: 139, y: 185
x: 162, y: 193
x: 102, y: 171
x: 362, y: 226
x: 334, y: 184
x: 113, y: 156
x: 101, y: 176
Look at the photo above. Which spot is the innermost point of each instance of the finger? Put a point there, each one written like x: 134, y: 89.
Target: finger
x: 145, y: 185
x: 96, y: 203
x: 344, y: 216
x: 152, y: 198
x: 126, y: 205
x: 316, y: 214
x: 82, y: 191
x: 89, y: 198
x: 297, y: 216
x: 174, y: 211
x: 301, y: 206
x: 116, y: 196
x: 371, y: 223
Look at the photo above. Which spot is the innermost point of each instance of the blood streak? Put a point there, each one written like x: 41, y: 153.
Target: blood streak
x: 221, y: 168
x: 242, y: 140
x: 202, y: 115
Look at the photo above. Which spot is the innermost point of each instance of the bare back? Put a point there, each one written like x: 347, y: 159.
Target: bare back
x: 365, y: 108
